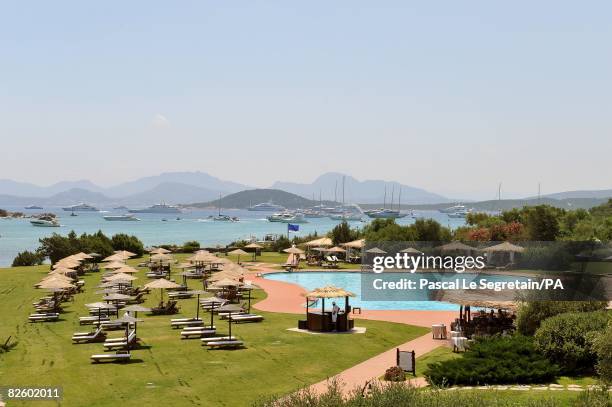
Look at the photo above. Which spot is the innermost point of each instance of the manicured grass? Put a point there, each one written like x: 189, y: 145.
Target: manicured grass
x: 166, y: 370
x: 439, y: 354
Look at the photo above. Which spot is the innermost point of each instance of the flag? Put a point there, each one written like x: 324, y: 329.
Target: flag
x: 293, y: 228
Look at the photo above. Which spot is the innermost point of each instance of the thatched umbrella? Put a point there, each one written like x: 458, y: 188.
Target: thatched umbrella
x: 136, y: 309
x: 321, y: 242
x: 126, y: 270
x: 161, y: 284
x: 64, y: 271
x: 159, y: 250
x: 249, y: 287
x: 226, y: 282
x: 329, y: 291
x: 67, y: 263
x: 505, y: 247
x: 376, y: 250
x: 55, y: 283
x: 113, y: 265
x: 255, y: 248
x: 125, y: 253
x: 355, y: 244
x: 100, y: 306
x: 238, y: 252
x: 115, y: 257
x: 160, y: 257
x: 455, y: 247
x: 230, y: 309
x: 411, y: 250
x: 116, y: 297
x: 294, y: 250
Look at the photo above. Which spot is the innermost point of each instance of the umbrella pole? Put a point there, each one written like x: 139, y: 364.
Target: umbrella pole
x: 229, y: 321
x: 249, y: 311
x: 198, y: 308
x: 212, y: 314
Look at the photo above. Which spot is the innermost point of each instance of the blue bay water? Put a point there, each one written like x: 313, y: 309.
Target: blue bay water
x: 18, y: 234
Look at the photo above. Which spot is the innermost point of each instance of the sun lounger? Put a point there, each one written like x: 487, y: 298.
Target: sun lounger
x: 169, y: 308
x: 218, y: 338
x: 196, y: 328
x: 193, y: 333
x: 246, y: 318
x: 225, y: 344
x: 84, y: 337
x: 92, y: 320
x: 112, y: 357
x: 180, y: 294
x: 110, y: 325
x: 194, y: 322
x: 43, y: 317
x: 183, y: 319
x: 120, y: 343
x: 225, y: 315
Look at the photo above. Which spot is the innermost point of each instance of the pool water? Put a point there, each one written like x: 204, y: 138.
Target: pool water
x: 352, y: 282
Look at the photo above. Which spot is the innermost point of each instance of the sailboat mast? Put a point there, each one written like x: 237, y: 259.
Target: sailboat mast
x: 343, y: 177
x: 399, y: 201
x: 219, y: 206
x: 336, y: 193
x: 385, y: 198
x: 392, y: 196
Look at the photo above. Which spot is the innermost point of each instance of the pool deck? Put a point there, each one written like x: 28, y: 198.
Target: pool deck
x: 289, y: 298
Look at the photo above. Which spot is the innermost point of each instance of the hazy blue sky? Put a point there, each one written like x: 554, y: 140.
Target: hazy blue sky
x: 451, y: 96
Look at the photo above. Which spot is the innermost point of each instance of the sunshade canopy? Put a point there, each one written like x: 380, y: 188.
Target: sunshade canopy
x: 329, y: 291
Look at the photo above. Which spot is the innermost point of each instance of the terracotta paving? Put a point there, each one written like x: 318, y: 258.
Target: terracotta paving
x: 288, y: 298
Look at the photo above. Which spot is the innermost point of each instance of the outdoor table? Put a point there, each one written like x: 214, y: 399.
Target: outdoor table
x: 460, y: 343
x: 438, y: 331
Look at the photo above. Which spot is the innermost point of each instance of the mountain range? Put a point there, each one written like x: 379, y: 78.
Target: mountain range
x: 189, y: 187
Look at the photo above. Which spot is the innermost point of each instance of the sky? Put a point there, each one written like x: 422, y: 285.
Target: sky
x: 454, y: 97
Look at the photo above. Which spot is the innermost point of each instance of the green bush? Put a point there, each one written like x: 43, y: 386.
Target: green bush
x: 599, y: 397
x: 395, y: 374
x: 495, y: 360
x: 603, y: 349
x: 280, y: 244
x: 191, y: 246
x: 531, y: 314
x: 28, y: 258
x: 568, y: 339
x: 121, y: 241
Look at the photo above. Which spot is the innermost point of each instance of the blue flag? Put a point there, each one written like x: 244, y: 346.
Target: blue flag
x: 293, y: 228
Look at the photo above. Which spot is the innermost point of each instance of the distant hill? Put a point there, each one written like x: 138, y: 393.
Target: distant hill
x: 169, y: 192
x: 506, y: 204
x: 244, y: 199
x: 369, y: 191
x: 600, y: 193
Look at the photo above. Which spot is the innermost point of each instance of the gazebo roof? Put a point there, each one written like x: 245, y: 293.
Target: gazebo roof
x: 329, y: 291
x: 505, y: 247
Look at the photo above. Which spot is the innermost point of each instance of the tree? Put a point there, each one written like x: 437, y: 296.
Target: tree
x: 603, y: 348
x: 28, y: 258
x: 542, y: 222
x: 121, y: 241
x: 343, y: 233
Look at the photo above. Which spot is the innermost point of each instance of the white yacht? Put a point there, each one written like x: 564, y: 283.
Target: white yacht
x: 385, y: 214
x: 266, y: 207
x: 159, y: 208
x: 287, y: 217
x: 45, y: 221
x: 453, y: 209
x: 126, y: 217
x: 82, y: 207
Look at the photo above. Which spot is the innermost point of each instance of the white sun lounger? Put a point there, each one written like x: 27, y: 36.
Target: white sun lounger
x: 92, y: 320
x: 113, y: 357
x: 225, y: 344
x: 197, y: 333
x: 218, y: 338
x: 247, y: 318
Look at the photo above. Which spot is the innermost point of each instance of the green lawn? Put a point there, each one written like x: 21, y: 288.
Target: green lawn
x: 166, y: 370
x: 439, y: 354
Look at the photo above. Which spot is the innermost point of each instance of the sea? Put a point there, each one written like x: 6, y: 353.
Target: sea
x: 153, y: 229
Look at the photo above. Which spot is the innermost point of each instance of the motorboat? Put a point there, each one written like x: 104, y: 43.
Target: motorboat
x: 287, y: 217
x: 385, y: 214
x: 116, y: 218
x: 45, y: 221
x: 82, y: 207
x: 454, y: 209
x: 158, y: 208
x: 346, y: 216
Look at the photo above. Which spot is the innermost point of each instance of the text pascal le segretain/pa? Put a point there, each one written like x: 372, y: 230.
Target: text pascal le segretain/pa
x: 458, y: 264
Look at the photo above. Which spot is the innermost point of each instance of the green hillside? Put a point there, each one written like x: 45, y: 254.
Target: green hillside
x: 244, y: 199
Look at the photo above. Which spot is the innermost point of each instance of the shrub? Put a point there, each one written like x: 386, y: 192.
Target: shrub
x: 531, y: 314
x: 495, y: 360
x: 598, y: 397
x: 28, y: 258
x: 568, y: 339
x: 191, y: 246
x: 395, y: 374
x: 121, y: 241
x: 280, y: 244
x: 603, y: 349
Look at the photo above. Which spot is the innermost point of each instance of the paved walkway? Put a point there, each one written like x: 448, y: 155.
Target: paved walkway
x: 289, y: 298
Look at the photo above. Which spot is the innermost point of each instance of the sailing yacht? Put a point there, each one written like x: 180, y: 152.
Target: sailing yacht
x: 386, y: 213
x: 224, y: 218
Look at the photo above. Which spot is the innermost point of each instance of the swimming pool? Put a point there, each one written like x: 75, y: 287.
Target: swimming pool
x: 352, y: 282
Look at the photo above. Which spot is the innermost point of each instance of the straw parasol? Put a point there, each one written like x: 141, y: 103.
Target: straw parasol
x: 411, y: 250
x: 126, y: 270
x: 255, y: 247
x: 115, y: 257
x: 355, y: 244
x: 121, y: 277
x: 160, y: 257
x: 100, y: 306
x: 63, y: 270
x: 504, y: 247
x: 455, y: 247
x: 212, y: 301
x: 321, y: 242
x: 376, y: 250
x: 116, y: 297
x: 161, y: 284
x: 329, y: 291
x: 159, y: 250
x: 55, y: 284
x: 294, y: 250
x: 200, y: 257
x: 67, y: 263
x: 226, y: 282
x: 335, y: 249
x: 113, y: 265
x: 125, y: 253
x: 238, y: 252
